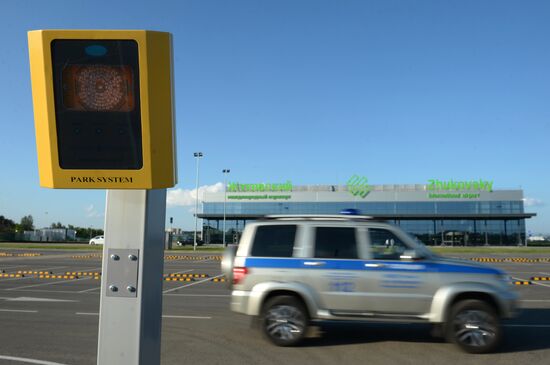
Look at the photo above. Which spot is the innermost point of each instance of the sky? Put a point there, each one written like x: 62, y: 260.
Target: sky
x: 312, y: 91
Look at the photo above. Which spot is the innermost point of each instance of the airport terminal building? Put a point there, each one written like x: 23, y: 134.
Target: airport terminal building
x: 439, y: 212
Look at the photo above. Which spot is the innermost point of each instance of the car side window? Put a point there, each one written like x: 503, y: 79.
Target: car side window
x: 335, y: 242
x: 274, y: 241
x: 385, y: 245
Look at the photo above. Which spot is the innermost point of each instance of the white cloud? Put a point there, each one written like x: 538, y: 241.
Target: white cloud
x: 91, y: 212
x: 532, y: 202
x: 187, y: 197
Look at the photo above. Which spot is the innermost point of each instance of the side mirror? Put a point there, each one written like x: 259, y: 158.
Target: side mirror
x: 411, y: 255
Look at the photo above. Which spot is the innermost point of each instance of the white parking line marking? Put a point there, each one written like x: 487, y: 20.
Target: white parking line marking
x: 535, y: 300
x: 11, y: 267
x: 203, y: 261
x: 198, y: 295
x: 34, y: 299
x: 46, y: 291
x: 29, y: 361
x: 50, y: 268
x: 93, y: 268
x: 541, y: 284
x: 186, y: 317
x: 52, y: 283
x: 89, y: 290
x: 18, y: 311
x: 164, y: 316
x: 195, y: 283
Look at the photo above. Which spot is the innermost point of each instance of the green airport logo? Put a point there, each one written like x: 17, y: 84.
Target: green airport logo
x: 359, y: 186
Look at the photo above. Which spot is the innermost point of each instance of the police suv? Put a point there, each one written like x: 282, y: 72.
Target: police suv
x: 288, y: 271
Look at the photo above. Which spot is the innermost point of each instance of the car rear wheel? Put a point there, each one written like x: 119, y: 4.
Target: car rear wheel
x: 284, y: 320
x: 474, y: 326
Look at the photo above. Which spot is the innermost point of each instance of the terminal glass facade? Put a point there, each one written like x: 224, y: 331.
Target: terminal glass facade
x: 432, y: 231
x: 367, y: 208
x: 484, y: 221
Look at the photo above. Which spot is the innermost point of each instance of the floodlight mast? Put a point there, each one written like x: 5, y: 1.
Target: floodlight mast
x: 198, y: 156
x: 225, y: 173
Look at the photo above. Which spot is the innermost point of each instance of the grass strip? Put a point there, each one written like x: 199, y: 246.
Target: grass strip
x: 86, y: 247
x: 199, y: 249
x: 515, y: 250
x: 53, y: 246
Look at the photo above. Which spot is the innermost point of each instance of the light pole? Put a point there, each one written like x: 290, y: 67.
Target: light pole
x: 198, y: 156
x: 225, y: 172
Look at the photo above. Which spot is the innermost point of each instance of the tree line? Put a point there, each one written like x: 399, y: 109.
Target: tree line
x: 8, y: 226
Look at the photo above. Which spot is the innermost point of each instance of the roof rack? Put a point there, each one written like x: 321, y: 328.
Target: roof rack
x: 319, y: 217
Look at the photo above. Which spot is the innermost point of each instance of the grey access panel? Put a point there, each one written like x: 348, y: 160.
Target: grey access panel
x: 122, y: 274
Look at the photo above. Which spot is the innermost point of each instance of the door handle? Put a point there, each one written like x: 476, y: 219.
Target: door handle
x: 375, y: 265
x: 314, y: 263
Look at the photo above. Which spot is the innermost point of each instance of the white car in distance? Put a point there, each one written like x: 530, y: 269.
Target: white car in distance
x: 97, y: 240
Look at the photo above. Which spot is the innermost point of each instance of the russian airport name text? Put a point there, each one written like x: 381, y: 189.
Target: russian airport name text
x: 476, y: 185
x: 259, y: 197
x: 253, y: 188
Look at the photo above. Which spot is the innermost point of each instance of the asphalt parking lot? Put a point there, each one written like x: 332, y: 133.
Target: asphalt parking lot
x: 55, y: 318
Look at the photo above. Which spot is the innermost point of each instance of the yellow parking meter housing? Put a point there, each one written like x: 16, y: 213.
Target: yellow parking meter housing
x: 103, y: 108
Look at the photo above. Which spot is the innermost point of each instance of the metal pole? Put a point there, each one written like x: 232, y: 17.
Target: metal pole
x: 224, y: 201
x: 225, y: 172
x: 198, y: 156
x: 442, y: 234
x: 486, y: 236
x: 131, y: 286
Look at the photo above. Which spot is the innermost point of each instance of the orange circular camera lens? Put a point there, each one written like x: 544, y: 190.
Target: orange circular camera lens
x: 100, y: 88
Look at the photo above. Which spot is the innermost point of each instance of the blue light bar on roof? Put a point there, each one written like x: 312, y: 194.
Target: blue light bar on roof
x: 350, y: 211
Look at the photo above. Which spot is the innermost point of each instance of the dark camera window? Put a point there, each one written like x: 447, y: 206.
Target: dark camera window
x: 274, y: 241
x: 97, y: 104
x: 332, y: 242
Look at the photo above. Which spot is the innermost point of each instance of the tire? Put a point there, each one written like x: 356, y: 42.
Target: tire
x: 284, y: 320
x: 474, y: 326
x: 92, y: 243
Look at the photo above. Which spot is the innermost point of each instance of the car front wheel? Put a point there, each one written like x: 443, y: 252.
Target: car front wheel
x: 474, y: 326
x: 285, y: 320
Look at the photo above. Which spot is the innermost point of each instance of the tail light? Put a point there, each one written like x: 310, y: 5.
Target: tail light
x: 238, y: 274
